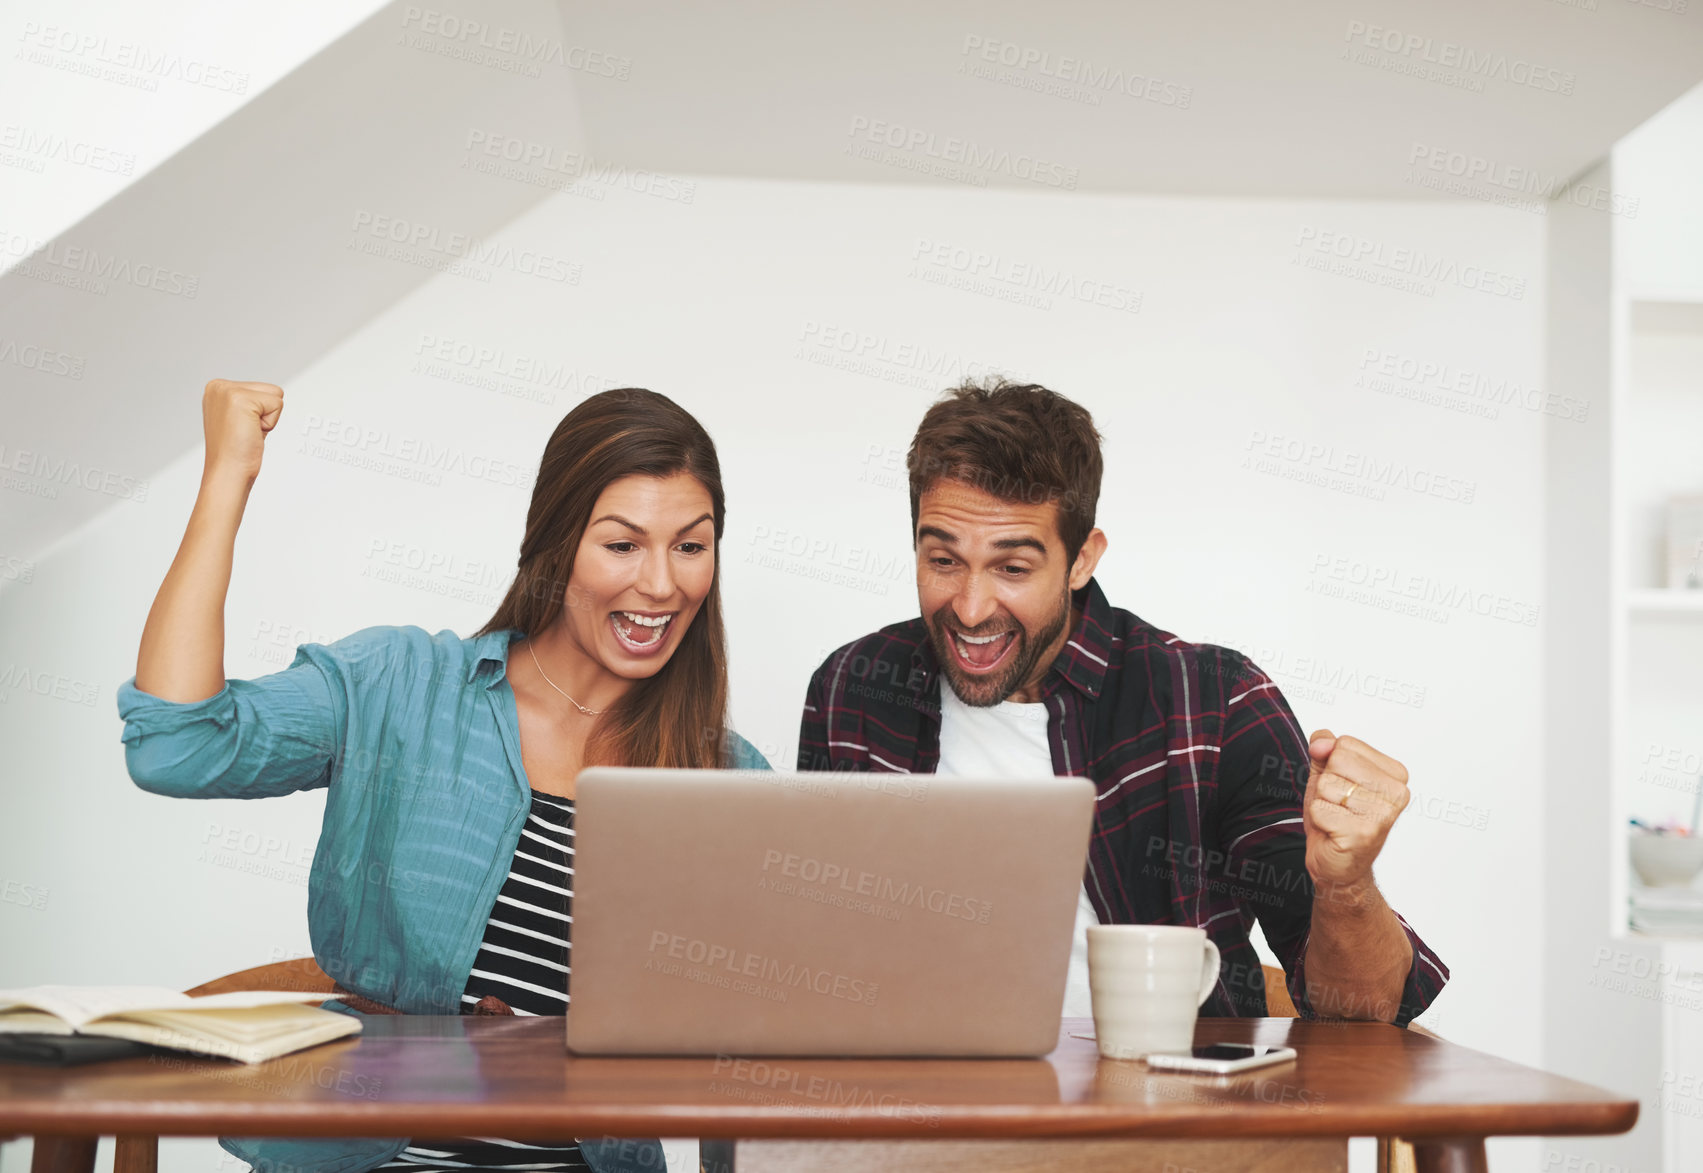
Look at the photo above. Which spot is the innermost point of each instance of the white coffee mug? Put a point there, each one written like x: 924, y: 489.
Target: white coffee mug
x: 1147, y: 983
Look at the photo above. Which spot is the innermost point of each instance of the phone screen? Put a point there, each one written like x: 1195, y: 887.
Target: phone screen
x: 1231, y: 1051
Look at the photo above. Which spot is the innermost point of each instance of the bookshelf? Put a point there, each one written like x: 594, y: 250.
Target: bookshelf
x: 1655, y: 451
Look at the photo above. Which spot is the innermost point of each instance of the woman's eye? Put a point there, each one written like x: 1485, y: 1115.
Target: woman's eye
x: 692, y: 547
x: 620, y: 547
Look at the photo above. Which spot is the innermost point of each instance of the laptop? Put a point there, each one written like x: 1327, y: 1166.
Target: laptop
x: 752, y: 912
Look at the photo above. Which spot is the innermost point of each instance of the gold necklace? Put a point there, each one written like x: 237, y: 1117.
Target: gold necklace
x: 553, y: 684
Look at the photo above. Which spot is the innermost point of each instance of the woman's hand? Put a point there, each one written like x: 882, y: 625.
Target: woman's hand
x: 236, y: 417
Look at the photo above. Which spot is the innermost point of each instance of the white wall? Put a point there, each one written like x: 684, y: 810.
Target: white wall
x: 100, y: 92
x: 740, y: 304
x: 1660, y: 248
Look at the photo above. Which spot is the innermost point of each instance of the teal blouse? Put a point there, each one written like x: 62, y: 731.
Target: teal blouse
x: 416, y: 741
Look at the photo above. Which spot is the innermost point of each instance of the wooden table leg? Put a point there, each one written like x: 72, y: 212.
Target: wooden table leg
x: 1452, y: 1154
x: 136, y: 1153
x: 64, y: 1154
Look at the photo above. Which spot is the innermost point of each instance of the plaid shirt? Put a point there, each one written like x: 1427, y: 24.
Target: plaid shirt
x: 1199, y: 766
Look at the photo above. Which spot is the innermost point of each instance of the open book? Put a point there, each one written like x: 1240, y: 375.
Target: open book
x: 250, y: 1025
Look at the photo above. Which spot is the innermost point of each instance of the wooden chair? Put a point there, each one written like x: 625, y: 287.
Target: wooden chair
x: 139, y: 1153
x: 1394, y: 1154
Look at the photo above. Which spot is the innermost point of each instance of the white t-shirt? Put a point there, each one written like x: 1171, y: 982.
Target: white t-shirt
x: 1010, y: 740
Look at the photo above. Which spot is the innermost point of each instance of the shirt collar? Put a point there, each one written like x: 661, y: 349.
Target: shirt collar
x: 1086, y: 656
x: 491, y: 648
x: 1082, y: 662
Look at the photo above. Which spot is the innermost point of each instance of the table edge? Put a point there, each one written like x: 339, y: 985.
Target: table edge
x: 308, y: 1120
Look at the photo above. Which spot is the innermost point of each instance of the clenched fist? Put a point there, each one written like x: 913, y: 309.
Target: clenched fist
x: 236, y: 417
x: 1354, y: 796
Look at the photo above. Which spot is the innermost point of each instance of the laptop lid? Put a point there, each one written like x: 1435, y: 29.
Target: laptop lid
x: 777, y: 913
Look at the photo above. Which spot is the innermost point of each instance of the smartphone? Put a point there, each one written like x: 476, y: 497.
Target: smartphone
x: 1221, y: 1058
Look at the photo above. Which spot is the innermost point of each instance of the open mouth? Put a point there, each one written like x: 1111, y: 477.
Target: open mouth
x: 640, y: 634
x: 982, y: 653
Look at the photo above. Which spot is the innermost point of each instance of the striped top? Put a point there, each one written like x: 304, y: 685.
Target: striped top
x: 1198, y: 767
x: 523, y: 962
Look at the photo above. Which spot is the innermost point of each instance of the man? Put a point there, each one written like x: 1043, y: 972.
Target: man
x: 1212, y: 809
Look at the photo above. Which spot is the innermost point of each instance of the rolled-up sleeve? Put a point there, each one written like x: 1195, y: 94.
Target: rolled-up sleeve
x: 252, y: 739
x: 1426, y: 977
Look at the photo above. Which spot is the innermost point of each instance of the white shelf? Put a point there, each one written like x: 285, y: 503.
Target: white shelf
x: 1690, y: 294
x: 1668, y: 315
x: 1664, y: 601
x: 1679, y: 948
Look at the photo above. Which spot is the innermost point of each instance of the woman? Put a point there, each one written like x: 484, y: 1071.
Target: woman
x: 449, y: 763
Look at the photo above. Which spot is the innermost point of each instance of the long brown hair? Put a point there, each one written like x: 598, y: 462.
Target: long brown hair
x: 678, y: 716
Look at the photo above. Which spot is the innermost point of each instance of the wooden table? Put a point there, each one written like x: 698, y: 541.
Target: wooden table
x: 437, y: 1077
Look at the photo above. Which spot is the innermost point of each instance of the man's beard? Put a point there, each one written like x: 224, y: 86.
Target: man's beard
x: 982, y: 691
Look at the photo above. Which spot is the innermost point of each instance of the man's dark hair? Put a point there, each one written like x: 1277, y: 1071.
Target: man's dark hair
x: 1016, y: 441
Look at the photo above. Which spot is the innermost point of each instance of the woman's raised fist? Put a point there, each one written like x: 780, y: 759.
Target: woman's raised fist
x: 236, y: 417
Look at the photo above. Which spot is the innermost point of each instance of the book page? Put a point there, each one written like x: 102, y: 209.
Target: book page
x: 37, y: 1022
x: 252, y: 1025
x: 332, y: 1026
x: 78, y: 1004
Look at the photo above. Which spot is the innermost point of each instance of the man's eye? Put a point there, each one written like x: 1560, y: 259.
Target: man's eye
x: 943, y: 563
x: 1017, y: 571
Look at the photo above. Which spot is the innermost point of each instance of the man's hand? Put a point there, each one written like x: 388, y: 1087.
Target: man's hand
x: 1358, y: 956
x: 1354, y: 796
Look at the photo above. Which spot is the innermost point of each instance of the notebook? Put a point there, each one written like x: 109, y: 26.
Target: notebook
x: 247, y: 1025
